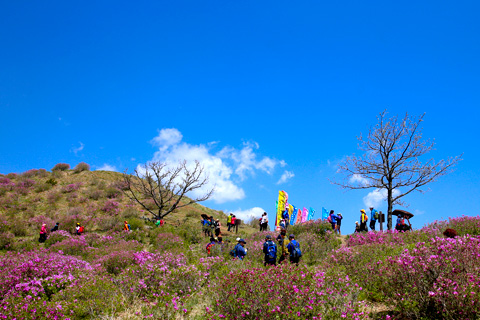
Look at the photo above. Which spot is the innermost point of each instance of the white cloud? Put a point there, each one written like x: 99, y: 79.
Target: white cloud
x: 358, y: 179
x: 419, y: 212
x: 224, y: 168
x: 107, y: 167
x: 248, y: 214
x: 167, y: 137
x: 377, y: 196
x: 287, y: 175
x: 77, y: 150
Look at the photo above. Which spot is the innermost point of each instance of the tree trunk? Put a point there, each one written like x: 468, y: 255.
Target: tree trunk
x: 390, y: 207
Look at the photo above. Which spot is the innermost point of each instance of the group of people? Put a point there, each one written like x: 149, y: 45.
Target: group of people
x: 362, y: 226
x: 43, y: 231
x: 336, y: 221
x: 211, y: 226
x: 289, y: 248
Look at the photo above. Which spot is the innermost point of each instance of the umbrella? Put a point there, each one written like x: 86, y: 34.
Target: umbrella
x: 406, y: 214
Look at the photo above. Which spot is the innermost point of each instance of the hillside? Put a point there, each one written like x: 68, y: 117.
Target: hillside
x: 91, y: 198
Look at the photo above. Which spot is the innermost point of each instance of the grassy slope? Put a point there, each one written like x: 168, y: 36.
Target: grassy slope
x: 87, y: 202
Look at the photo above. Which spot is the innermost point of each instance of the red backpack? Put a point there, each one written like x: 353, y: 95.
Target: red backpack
x: 81, y: 229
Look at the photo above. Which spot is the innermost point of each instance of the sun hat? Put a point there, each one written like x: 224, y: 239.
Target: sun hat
x: 242, y: 240
x: 356, y: 222
x: 238, y: 239
x: 291, y: 236
x: 362, y: 211
x: 268, y: 236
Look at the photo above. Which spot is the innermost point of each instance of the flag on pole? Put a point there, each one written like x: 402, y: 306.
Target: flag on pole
x: 293, y: 216
x: 282, y: 200
x: 324, y: 214
x: 299, y: 216
x: 305, y: 214
x: 311, y: 212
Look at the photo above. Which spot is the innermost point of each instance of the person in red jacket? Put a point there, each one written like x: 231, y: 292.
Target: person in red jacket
x: 43, y: 233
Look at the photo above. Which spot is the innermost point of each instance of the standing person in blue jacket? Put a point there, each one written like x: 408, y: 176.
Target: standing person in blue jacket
x: 239, y: 251
x: 373, y: 218
x: 270, y: 251
x: 294, y: 249
x: 333, y: 220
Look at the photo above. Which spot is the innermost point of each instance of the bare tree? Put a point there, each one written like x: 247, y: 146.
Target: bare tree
x: 390, y: 160
x: 166, y: 186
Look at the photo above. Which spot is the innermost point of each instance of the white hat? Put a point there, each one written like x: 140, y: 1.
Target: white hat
x: 238, y: 239
x: 356, y: 222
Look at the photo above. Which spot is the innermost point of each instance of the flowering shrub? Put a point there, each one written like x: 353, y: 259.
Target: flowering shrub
x: 61, y: 167
x: 71, y: 187
x: 319, y: 227
x: 463, y: 225
x: 57, y: 236
x: 82, y: 166
x: 286, y: 292
x: 111, y: 207
x: 168, y: 241
x: 440, y: 279
x: 75, y: 246
x: 6, y: 239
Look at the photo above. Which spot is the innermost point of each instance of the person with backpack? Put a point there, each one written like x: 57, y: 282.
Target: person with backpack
x: 43, y: 233
x: 294, y: 250
x: 126, y: 226
x: 77, y: 229
x: 373, y: 218
x: 55, y: 227
x: 363, y: 221
x: 210, y: 245
x: 357, y: 227
x: 239, y: 251
x: 339, y: 223
x: 270, y: 251
x: 332, y: 218
x: 264, y: 222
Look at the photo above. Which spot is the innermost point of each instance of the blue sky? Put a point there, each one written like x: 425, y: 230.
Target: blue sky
x: 252, y: 89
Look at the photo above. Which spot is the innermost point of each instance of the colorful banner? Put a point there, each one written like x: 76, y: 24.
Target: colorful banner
x: 304, y: 215
x: 311, y: 213
x: 324, y: 214
x: 299, y: 216
x: 290, y: 212
x: 293, y: 216
x: 282, y: 200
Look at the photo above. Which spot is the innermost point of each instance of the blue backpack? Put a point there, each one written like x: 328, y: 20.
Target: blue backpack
x: 271, y: 250
x: 285, y: 214
x: 296, y: 252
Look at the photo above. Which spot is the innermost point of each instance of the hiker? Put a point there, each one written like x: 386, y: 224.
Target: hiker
x: 235, y: 223
x: 239, y: 251
x: 213, y: 225
x: 401, y: 226
x: 332, y: 218
x: 77, y: 229
x: 286, y: 217
x: 210, y: 245
x: 126, y: 226
x: 264, y: 223
x: 217, y: 228
x: 363, y: 221
x: 373, y: 218
x: 55, y: 227
x: 282, y: 224
x: 283, y: 242
x: 229, y: 221
x: 294, y: 249
x: 160, y: 223
x: 270, y: 251
x: 339, y: 223
x: 205, y: 226
x: 357, y: 227
x: 43, y: 233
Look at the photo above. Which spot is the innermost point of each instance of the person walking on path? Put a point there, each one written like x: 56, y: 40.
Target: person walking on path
x: 363, y: 221
x: 239, y: 251
x: 264, y: 223
x: 229, y: 221
x: 294, y: 250
x: 373, y: 218
x: 270, y: 251
x: 339, y: 223
x: 232, y: 224
x: 43, y: 233
x: 283, y: 242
